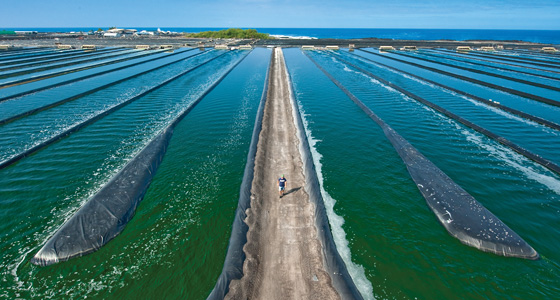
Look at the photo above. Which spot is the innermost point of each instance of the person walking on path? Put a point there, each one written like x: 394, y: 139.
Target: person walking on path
x: 282, y: 184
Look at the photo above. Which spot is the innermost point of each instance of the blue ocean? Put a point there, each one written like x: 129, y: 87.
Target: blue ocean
x: 535, y: 36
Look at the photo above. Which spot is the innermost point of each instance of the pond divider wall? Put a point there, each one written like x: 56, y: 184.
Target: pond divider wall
x: 476, y: 81
x: 532, y: 156
x: 524, y: 60
x: 333, y: 262
x: 105, y: 214
x: 495, y: 64
x: 471, y: 96
x: 88, y: 92
x: 235, y: 256
x: 459, y: 212
x: 78, y: 69
x: 55, y: 65
x: 29, y: 62
x: 79, y: 126
x: 536, y: 84
x: 101, y: 73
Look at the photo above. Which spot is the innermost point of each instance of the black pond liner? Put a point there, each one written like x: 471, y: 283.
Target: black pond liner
x: 474, y: 61
x: 334, y: 265
x: 16, y: 158
x: 75, y: 61
x: 55, y: 56
x: 527, y: 82
x: 105, y: 214
x: 94, y: 75
x: 235, y: 256
x: 68, y: 71
x: 516, y: 112
x: 38, y: 61
x: 88, y: 92
x: 534, y: 157
x: 25, y: 52
x: 523, y: 60
x: 459, y: 213
x: 479, y: 82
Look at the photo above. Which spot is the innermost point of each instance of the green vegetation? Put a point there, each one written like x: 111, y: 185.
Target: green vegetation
x: 7, y: 32
x: 232, y: 33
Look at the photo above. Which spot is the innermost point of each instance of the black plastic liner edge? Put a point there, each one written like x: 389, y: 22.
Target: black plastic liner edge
x: 519, y: 113
x: 476, y: 81
x: 532, y: 156
x: 334, y: 265
x: 515, y: 79
x: 17, y: 95
x: 459, y: 212
x: 38, y: 61
x: 522, y: 60
x: 25, y: 153
x: 78, y: 69
x: 235, y: 256
x: 497, y: 64
x: 110, y: 209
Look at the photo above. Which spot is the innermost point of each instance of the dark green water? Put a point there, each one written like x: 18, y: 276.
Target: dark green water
x: 403, y: 250
x: 175, y: 245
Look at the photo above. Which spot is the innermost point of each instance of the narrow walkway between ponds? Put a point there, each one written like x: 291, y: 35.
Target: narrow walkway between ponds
x: 284, y: 256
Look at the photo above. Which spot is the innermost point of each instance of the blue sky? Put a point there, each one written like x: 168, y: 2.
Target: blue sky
x: 467, y: 14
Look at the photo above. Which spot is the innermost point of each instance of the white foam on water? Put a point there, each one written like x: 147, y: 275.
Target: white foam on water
x: 100, y: 177
x: 517, y: 161
x: 356, y: 271
x: 510, y: 157
x: 483, y: 105
x: 292, y: 37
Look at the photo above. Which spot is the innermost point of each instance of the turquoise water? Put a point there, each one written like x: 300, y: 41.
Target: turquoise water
x: 523, y: 104
x: 175, y: 245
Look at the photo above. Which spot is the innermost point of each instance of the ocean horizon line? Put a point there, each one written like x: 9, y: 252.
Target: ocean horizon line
x: 527, y: 35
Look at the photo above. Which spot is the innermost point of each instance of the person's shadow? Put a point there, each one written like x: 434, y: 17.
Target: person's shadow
x: 292, y: 191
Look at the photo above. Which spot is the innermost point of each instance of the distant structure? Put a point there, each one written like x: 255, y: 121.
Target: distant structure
x: 166, y: 47
x: 111, y: 34
x: 143, y: 47
x: 549, y: 50
x: 386, y: 48
x: 245, y: 47
x: 409, y: 48
x: 116, y: 32
x: 144, y: 32
x: 488, y: 49
x: 89, y: 47
x: 332, y: 48
x: 464, y: 49
x: 22, y: 32
x: 64, y: 47
x: 221, y: 47
x: 6, y: 47
x: 307, y: 47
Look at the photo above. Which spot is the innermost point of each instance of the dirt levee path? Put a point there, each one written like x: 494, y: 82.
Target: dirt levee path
x: 284, y: 257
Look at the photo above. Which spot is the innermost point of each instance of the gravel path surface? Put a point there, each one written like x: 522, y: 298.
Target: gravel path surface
x: 284, y: 256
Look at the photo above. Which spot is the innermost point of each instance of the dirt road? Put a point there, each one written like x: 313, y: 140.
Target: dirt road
x: 284, y: 257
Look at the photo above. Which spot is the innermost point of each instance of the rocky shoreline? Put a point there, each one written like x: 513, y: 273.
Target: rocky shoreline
x: 77, y: 40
